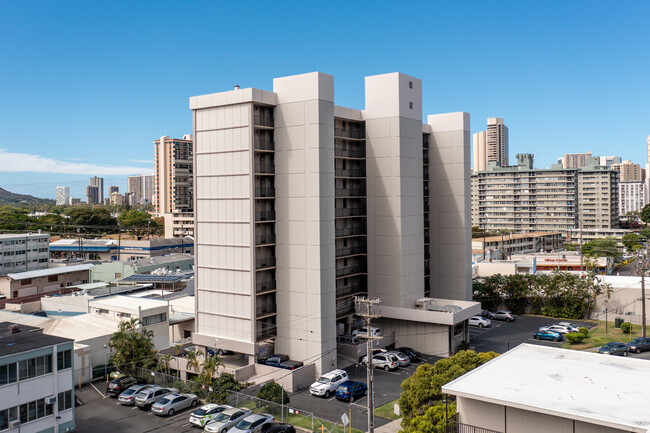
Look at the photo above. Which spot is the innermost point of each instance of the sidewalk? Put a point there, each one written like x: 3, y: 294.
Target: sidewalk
x: 391, y: 427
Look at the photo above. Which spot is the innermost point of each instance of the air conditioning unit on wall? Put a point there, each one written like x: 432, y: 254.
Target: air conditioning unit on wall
x: 50, y: 400
x: 14, y: 424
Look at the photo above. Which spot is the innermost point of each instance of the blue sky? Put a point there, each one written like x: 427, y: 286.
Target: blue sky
x: 86, y: 87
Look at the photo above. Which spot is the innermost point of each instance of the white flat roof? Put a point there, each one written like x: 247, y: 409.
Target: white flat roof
x: 50, y: 271
x: 611, y: 391
x: 121, y: 302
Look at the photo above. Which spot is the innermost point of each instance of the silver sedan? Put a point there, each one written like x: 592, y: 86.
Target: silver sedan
x: 173, y: 403
x: 226, y: 419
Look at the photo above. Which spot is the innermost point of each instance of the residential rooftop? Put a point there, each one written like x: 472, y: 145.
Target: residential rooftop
x: 28, y: 338
x: 50, y: 271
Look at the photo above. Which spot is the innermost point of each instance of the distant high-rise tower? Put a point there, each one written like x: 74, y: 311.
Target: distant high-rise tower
x: 112, y: 189
x: 575, y: 160
x: 62, y: 195
x: 92, y: 194
x: 173, y: 186
x: 134, y: 188
x: 491, y: 145
x: 99, y: 183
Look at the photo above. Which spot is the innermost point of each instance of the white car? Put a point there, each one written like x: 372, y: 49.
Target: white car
x: 556, y: 328
x: 382, y: 360
x: 479, y: 321
x: 571, y: 326
x: 327, y: 383
x: 363, y: 332
x: 402, y: 359
x: 207, y: 413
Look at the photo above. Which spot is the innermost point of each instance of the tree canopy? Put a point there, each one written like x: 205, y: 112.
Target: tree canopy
x: 645, y: 214
x: 421, y: 402
x: 633, y: 241
x: 137, y: 222
x: 132, y: 346
x: 603, y: 247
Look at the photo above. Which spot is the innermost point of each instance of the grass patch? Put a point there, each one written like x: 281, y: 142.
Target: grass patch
x: 598, y: 336
x: 387, y: 410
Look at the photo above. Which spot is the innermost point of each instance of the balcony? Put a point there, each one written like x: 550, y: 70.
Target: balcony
x: 264, y: 168
x: 265, y: 286
x: 349, y: 153
x: 350, y: 270
x: 350, y: 192
x: 351, y: 231
x: 268, y: 192
x: 350, y: 251
x: 264, y: 215
x: 350, y: 133
x: 264, y: 238
x: 350, y: 172
x: 345, y: 308
x: 351, y: 290
x: 260, y: 120
x: 265, y: 262
x: 350, y: 212
x: 264, y: 144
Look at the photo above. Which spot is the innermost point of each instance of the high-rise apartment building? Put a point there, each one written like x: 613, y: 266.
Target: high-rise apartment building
x: 99, y: 183
x: 173, y: 184
x: 575, y: 160
x: 524, y: 199
x: 62, y: 195
x: 134, y: 188
x: 608, y: 161
x: 628, y: 171
x: 301, y: 205
x: 112, y: 189
x: 631, y: 197
x: 116, y: 198
x: 147, y: 189
x: 92, y: 194
x: 491, y: 145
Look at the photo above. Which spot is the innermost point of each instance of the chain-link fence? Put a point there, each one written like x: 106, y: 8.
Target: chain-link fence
x: 283, y: 413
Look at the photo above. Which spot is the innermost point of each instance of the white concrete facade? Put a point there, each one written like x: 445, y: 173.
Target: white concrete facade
x: 631, y: 197
x: 62, y: 195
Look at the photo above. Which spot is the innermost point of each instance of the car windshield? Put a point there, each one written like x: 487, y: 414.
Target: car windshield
x: 200, y: 412
x: 222, y: 417
x: 163, y: 401
x: 636, y: 341
x: 129, y: 392
x: 323, y: 380
x: 343, y: 388
x: 142, y: 394
x: 608, y: 345
x: 244, y: 425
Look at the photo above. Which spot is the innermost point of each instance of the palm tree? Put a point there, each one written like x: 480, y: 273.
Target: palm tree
x: 193, y: 362
x: 210, y: 368
x: 164, y: 360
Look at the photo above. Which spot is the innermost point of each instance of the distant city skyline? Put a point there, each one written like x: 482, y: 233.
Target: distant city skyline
x: 97, y: 109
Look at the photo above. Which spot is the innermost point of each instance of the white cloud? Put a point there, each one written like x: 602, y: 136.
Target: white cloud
x: 142, y: 161
x: 12, y: 162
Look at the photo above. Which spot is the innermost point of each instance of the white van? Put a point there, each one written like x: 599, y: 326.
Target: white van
x: 363, y: 332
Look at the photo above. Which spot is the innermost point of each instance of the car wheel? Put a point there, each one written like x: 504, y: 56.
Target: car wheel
x: 536, y: 337
x: 171, y: 412
x: 625, y: 353
x: 386, y: 368
x: 351, y: 398
x: 194, y: 403
x: 220, y: 352
x: 638, y: 351
x: 554, y: 338
x: 508, y: 319
x: 480, y: 325
x: 224, y: 430
x: 327, y: 394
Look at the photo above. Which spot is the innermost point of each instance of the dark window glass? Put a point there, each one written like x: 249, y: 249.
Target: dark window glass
x: 31, y: 406
x: 23, y: 370
x: 40, y: 408
x: 48, y: 364
x: 40, y: 366
x: 49, y: 409
x: 23, y: 413
x: 4, y: 419
x: 68, y: 399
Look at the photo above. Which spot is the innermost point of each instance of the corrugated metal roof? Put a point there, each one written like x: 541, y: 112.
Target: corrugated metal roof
x: 50, y: 271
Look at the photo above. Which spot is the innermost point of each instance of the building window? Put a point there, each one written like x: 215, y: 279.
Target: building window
x: 8, y: 374
x: 156, y: 318
x: 35, y: 367
x: 64, y: 400
x: 52, y: 278
x: 8, y: 415
x: 411, y: 105
x: 410, y: 84
x: 64, y: 359
x: 26, y: 281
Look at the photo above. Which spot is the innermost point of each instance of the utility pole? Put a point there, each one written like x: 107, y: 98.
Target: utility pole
x: 79, y: 236
x: 368, y: 309
x: 643, y: 266
x: 483, y: 240
x: 581, y: 256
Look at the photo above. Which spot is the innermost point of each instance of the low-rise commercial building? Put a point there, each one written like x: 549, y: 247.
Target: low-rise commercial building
x: 587, y: 235
x: 537, y: 389
x: 36, y: 381
x: 43, y: 281
x: 23, y: 252
x: 112, y: 249
x: 178, y: 224
x: 506, y: 245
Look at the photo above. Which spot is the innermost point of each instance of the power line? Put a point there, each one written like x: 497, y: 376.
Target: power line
x: 368, y: 309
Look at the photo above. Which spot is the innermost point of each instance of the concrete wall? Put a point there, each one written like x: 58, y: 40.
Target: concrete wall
x: 9, y: 287
x: 429, y: 338
x: 306, y: 268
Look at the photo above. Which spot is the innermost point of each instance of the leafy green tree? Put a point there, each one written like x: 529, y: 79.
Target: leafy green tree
x: 645, y: 232
x: 423, y: 390
x: 273, y: 392
x: 222, y: 385
x: 209, y: 368
x: 137, y: 222
x: 164, y: 361
x: 434, y: 419
x: 97, y: 219
x: 193, y: 359
x: 633, y: 241
x: 645, y: 214
x: 604, y: 247
x: 132, y: 346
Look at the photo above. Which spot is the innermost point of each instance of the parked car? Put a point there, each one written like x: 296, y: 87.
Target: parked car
x: 614, y: 348
x: 382, y: 360
x: 413, y: 354
x: 127, y: 398
x: 327, y: 383
x: 253, y: 423
x: 275, y: 427
x: 291, y: 365
x: 479, y: 321
x: 145, y: 399
x: 173, y: 403
x: 401, y: 358
x: 207, y: 413
x: 117, y: 386
x: 638, y: 345
x: 348, y: 339
x: 274, y: 360
x: 211, y: 351
x: 557, y: 328
x: 226, y: 419
x: 350, y: 390
x: 503, y: 315
x: 487, y: 314
x: 40, y: 313
x: 363, y: 332
x: 571, y: 326
x: 548, y: 335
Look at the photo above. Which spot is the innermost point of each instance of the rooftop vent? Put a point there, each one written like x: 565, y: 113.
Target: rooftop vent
x: 14, y: 329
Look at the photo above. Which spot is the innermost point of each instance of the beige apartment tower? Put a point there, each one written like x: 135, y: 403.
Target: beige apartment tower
x: 491, y: 145
x: 173, y: 187
x: 301, y: 205
x: 628, y: 171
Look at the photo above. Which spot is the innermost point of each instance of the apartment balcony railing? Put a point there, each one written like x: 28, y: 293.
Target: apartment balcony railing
x: 349, y: 251
x: 264, y: 215
x: 265, y: 192
x: 266, y: 238
x: 263, y: 120
x: 264, y: 144
x: 350, y: 172
x: 265, y: 311
x: 354, y: 211
x: 351, y: 231
x: 264, y: 168
x: 345, y: 309
x: 426, y: 206
x: 425, y: 160
x: 350, y: 270
x: 349, y: 153
x: 351, y: 290
x: 350, y: 133
x: 265, y: 286
x: 265, y: 262
x: 350, y: 192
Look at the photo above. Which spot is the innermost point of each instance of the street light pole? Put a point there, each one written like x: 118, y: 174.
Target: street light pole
x: 105, y: 362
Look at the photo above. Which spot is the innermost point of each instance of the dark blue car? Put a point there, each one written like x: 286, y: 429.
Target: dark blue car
x: 350, y: 390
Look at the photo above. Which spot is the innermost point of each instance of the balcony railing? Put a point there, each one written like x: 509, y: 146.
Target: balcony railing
x: 351, y: 231
x: 265, y: 262
x: 350, y: 133
x: 265, y: 168
x: 457, y: 427
x: 264, y: 215
x: 349, y: 270
x: 265, y: 286
x: 350, y: 153
x: 265, y: 192
x: 348, y: 251
x: 263, y: 120
x: 351, y: 290
x: 350, y: 192
x: 350, y: 172
x: 266, y: 238
x: 264, y: 144
x: 345, y: 308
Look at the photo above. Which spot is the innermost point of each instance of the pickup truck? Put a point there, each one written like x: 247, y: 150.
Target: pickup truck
x: 280, y: 361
